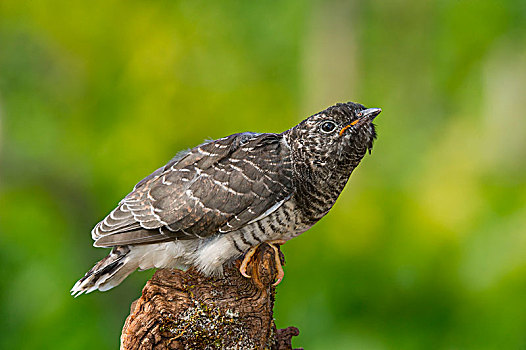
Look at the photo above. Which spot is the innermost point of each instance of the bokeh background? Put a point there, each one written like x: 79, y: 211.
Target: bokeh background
x: 426, y: 247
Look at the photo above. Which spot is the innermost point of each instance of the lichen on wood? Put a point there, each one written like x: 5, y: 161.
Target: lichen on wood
x: 186, y: 310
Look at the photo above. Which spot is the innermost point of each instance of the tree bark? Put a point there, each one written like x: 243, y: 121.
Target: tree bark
x: 186, y: 310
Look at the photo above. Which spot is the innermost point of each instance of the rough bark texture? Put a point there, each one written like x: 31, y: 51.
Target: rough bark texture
x: 186, y: 310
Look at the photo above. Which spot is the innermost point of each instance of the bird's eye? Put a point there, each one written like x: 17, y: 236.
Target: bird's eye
x: 328, y: 126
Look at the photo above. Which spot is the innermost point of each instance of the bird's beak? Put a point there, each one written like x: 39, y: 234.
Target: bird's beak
x: 367, y: 115
x: 364, y: 117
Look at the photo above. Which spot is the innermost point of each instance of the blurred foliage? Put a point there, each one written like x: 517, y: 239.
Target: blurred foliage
x: 426, y: 248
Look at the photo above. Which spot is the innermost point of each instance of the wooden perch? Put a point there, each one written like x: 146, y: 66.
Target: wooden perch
x: 186, y: 310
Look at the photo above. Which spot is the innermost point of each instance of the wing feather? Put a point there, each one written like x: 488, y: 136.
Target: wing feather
x: 215, y: 187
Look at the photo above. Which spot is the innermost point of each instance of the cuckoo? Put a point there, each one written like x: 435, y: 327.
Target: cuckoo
x: 218, y: 201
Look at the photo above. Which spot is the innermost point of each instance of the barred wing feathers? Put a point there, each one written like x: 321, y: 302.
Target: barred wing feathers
x: 216, y: 187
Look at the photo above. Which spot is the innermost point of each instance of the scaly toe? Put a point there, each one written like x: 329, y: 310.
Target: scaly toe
x: 279, y: 267
x: 246, y: 261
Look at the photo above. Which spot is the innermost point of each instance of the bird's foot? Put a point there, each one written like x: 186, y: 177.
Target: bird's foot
x: 277, y: 260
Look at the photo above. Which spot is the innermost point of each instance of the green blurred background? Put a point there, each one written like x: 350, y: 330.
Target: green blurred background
x: 426, y: 247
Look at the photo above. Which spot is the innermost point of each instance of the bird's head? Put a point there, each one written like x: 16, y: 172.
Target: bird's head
x: 339, y: 135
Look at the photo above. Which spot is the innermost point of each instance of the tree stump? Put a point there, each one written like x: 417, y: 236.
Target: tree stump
x: 186, y: 310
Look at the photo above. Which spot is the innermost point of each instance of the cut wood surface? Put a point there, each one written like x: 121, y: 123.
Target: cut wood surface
x: 186, y: 310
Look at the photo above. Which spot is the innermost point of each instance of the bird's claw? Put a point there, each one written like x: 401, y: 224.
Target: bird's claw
x: 246, y: 261
x: 277, y: 260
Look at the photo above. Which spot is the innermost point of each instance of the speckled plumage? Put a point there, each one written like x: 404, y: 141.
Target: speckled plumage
x: 212, y: 203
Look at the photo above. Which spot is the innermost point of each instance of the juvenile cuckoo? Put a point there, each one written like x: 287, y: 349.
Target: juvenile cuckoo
x: 219, y: 200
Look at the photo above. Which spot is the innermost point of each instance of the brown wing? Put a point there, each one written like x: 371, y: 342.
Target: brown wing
x: 216, y: 187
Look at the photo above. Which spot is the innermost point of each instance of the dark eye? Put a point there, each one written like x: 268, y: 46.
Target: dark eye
x: 328, y: 126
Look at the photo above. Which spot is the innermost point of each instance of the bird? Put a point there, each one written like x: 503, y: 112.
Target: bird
x: 220, y: 200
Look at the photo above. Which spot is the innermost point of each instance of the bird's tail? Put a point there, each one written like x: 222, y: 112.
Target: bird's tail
x: 107, y: 273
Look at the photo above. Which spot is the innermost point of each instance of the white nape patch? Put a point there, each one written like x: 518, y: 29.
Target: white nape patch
x: 214, y: 253
x: 284, y: 141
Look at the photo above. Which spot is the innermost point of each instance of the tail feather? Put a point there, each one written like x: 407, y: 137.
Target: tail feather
x: 107, y: 273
